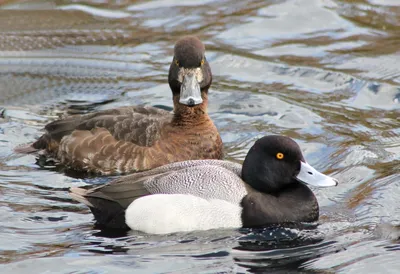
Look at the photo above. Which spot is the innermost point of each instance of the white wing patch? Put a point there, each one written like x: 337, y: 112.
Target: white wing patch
x: 169, y: 213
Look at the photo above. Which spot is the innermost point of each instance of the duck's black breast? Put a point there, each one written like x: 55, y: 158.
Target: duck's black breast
x: 295, y: 204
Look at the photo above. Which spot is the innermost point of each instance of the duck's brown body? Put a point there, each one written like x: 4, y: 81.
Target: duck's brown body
x: 132, y: 139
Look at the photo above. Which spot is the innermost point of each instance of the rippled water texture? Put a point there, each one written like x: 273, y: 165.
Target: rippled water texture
x: 325, y: 72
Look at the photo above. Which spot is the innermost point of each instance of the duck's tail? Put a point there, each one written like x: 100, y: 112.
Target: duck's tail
x: 78, y: 194
x: 44, y: 143
x: 25, y: 149
x: 108, y: 214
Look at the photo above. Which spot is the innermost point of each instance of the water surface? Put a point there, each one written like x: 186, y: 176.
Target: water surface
x: 323, y: 72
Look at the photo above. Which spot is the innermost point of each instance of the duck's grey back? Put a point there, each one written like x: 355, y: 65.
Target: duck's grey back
x: 209, y: 179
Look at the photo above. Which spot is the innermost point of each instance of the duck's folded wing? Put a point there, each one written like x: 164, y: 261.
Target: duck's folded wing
x: 210, y: 179
x: 139, y: 125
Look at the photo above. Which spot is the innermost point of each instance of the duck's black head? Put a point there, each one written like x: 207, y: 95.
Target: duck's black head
x: 275, y: 162
x: 189, y: 73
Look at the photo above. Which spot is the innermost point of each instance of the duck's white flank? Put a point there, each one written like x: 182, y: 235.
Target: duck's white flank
x: 168, y: 213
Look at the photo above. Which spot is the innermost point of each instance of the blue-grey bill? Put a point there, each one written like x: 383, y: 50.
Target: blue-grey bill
x: 190, y: 91
x: 311, y: 176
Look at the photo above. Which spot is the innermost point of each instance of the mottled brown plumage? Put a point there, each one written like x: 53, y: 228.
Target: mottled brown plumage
x: 138, y: 138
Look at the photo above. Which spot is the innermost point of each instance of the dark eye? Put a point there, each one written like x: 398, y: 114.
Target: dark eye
x: 177, y: 63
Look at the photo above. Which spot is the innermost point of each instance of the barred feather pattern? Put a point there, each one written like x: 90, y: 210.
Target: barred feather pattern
x: 133, y: 139
x: 98, y: 151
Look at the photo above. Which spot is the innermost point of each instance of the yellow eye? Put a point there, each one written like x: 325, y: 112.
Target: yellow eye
x: 202, y: 62
x: 280, y: 156
x: 177, y: 63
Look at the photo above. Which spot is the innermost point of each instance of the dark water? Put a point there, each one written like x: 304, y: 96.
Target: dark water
x: 324, y: 72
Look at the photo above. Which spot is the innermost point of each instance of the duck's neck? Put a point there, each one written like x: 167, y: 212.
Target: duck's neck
x: 294, y: 204
x: 185, y: 115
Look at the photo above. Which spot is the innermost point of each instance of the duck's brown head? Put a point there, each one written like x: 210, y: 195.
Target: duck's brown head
x: 189, y: 74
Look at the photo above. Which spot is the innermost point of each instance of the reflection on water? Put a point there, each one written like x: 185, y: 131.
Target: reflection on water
x: 323, y: 72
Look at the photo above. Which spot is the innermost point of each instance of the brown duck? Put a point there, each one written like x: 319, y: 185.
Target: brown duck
x: 130, y: 139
